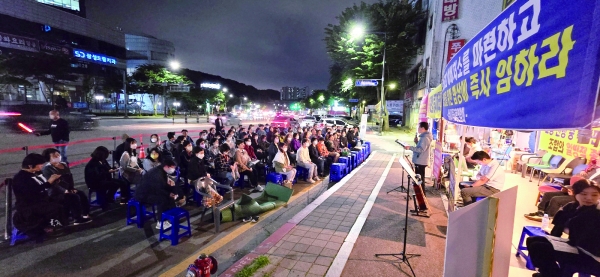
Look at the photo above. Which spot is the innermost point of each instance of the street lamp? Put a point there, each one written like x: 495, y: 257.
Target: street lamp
x: 176, y: 105
x: 174, y: 65
x: 357, y: 32
x: 98, y: 99
x: 224, y: 89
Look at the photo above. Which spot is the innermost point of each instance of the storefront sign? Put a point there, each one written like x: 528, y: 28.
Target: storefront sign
x: 94, y: 57
x: 394, y: 106
x: 18, y: 42
x: 449, y: 10
x: 522, y: 68
x: 453, y: 47
x: 210, y: 85
x: 564, y: 143
x: 438, y: 161
x: 54, y: 48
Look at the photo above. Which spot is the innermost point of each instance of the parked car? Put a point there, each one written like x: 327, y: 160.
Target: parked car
x: 330, y: 122
x: 308, y: 121
x: 35, y: 117
x: 395, y: 120
x: 284, y: 122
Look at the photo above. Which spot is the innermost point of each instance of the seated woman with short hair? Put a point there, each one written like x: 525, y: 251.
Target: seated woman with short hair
x: 282, y: 164
x: 581, y: 220
x: 75, y: 202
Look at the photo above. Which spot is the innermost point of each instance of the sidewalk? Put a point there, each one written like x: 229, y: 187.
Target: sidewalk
x: 336, y: 234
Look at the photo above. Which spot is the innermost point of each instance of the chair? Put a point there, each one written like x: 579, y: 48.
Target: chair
x: 367, y: 144
x: 199, y: 186
x: 174, y: 216
x: 567, y: 164
x: 559, y: 178
x: 554, y: 163
x: 94, y: 203
x: 16, y: 236
x: 337, y: 172
x: 275, y: 177
x: 354, y: 159
x: 529, y: 159
x: 345, y: 160
x: 141, y: 215
x: 528, y: 231
x: 301, y: 172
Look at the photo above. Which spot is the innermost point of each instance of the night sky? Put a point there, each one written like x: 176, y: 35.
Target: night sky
x: 265, y: 43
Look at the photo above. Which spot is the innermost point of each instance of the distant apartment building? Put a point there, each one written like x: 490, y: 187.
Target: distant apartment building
x: 295, y: 93
x: 146, y: 49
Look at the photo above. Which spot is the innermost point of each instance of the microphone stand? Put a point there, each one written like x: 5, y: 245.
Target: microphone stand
x: 403, y: 256
x: 401, y: 188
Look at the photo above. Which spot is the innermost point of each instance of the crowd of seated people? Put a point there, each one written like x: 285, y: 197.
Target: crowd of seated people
x: 46, y: 193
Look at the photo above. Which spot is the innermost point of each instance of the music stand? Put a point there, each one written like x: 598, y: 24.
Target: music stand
x: 403, y: 256
x: 401, y: 188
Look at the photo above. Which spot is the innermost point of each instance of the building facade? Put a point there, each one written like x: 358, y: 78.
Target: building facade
x: 71, y: 6
x: 450, y: 24
x: 295, y: 93
x: 29, y: 28
x: 146, y: 49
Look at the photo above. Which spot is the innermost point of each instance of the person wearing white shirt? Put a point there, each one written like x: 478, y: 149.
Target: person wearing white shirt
x: 491, y: 179
x: 303, y: 159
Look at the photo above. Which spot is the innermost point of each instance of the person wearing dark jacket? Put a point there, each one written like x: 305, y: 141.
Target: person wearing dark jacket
x: 116, y: 155
x: 34, y: 211
x: 185, y: 157
x: 74, y: 202
x: 197, y: 166
x: 59, y: 131
x: 157, y: 188
x: 316, y: 158
x: 219, y: 124
x: 98, y: 177
x: 581, y: 220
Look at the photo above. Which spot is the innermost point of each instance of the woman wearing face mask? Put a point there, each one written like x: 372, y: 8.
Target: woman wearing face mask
x: 154, y: 142
x: 213, y: 150
x: 153, y: 160
x: 260, y: 152
x: 282, y: 164
x: 305, y: 161
x: 197, y: 167
x: 130, y: 168
x: 581, y: 220
x: 223, y: 165
x: 295, y: 143
x: 34, y: 211
x: 249, y: 148
x: 316, y: 158
x: 242, y: 159
x: 343, y: 140
x: 75, y: 202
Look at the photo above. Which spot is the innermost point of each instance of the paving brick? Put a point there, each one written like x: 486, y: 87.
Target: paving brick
x: 327, y: 216
x: 297, y: 273
x: 336, y: 239
x: 347, y: 223
x: 333, y: 245
x: 306, y: 240
x: 313, y: 275
x: 324, y: 237
x: 343, y: 229
x: 302, y: 266
x: 287, y: 263
x: 320, y: 224
x: 332, y: 226
x: 320, y: 243
x: 316, y: 250
x: 324, y: 220
x: 301, y: 247
x: 309, y: 258
x: 328, y: 252
x: 275, y: 260
x: 293, y: 238
x: 338, y: 217
x: 307, y: 223
x: 298, y: 232
x: 287, y: 245
x: 301, y: 227
x: 318, y: 270
x: 333, y: 221
x: 325, y: 261
x: 311, y: 235
x: 281, y: 272
x: 281, y: 252
x: 327, y: 232
x: 314, y: 230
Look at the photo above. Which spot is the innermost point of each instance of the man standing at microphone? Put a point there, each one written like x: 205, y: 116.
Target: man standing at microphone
x: 421, y: 152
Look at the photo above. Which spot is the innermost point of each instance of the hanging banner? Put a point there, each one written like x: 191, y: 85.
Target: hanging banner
x: 564, y: 143
x: 434, y: 104
x: 453, y: 47
x: 449, y: 10
x: 535, y: 66
x: 423, y: 109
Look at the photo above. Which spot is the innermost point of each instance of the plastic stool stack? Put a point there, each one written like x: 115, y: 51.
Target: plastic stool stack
x: 301, y: 172
x: 141, y: 215
x: 353, y: 157
x: 367, y: 144
x: 337, y: 172
x: 174, y: 216
x: 275, y: 177
x: 357, y: 160
x: 528, y: 231
x: 346, y: 160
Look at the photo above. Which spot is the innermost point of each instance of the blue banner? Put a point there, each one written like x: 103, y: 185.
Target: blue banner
x: 536, y: 66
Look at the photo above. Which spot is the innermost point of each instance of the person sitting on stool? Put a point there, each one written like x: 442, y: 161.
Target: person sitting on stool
x: 490, y: 181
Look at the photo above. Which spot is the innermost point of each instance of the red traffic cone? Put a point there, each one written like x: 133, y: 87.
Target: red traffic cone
x: 142, y: 151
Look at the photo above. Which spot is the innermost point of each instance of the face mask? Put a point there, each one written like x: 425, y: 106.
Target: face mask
x: 134, y: 146
x: 289, y: 139
x: 204, y: 136
x: 55, y: 160
x: 314, y: 143
x: 188, y: 149
x: 248, y: 143
x: 154, y: 156
x: 202, y: 145
x: 200, y: 156
x: 170, y: 170
x: 51, y: 117
x: 153, y: 140
x: 284, y: 149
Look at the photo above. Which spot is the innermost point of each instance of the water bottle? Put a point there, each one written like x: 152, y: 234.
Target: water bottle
x: 545, y: 222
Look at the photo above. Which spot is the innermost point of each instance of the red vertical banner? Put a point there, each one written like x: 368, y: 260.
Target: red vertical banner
x: 453, y: 47
x: 449, y: 10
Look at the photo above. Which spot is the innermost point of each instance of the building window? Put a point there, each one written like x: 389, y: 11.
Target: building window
x: 160, y: 56
x: 65, y: 4
x: 506, y: 3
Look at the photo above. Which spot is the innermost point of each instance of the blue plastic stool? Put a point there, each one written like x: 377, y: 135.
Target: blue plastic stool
x: 368, y: 145
x: 96, y: 202
x: 346, y: 160
x: 301, y: 172
x: 479, y: 198
x: 275, y: 177
x: 528, y: 231
x: 240, y: 182
x: 355, y: 158
x: 174, y: 215
x: 337, y: 172
x: 141, y: 215
x: 16, y: 236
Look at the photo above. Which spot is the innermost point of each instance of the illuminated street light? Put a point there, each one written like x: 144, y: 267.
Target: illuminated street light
x: 224, y: 89
x: 357, y: 32
x: 392, y: 86
x: 230, y: 95
x: 176, y: 104
x: 99, y: 97
x: 174, y: 65
x: 364, y: 101
x: 245, y: 98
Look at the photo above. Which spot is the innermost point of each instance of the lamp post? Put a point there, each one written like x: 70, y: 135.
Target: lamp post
x: 98, y: 99
x: 174, y: 65
x: 357, y: 32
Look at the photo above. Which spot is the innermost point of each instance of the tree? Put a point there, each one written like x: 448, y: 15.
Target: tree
x: 151, y: 79
x: 361, y: 58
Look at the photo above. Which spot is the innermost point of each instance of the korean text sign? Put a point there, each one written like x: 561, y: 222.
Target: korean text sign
x: 449, y: 10
x: 564, y: 143
x: 535, y: 66
x: 90, y: 56
x: 453, y: 47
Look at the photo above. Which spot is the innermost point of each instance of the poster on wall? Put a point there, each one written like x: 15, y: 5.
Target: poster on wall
x: 449, y: 10
x: 564, y: 143
x: 521, y: 69
x: 438, y: 161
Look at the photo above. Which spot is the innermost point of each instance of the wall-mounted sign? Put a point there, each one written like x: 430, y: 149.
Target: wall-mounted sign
x: 449, y: 10
x: 453, y: 47
x: 18, y: 42
x: 210, y: 85
x: 90, y: 56
x: 54, y: 48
